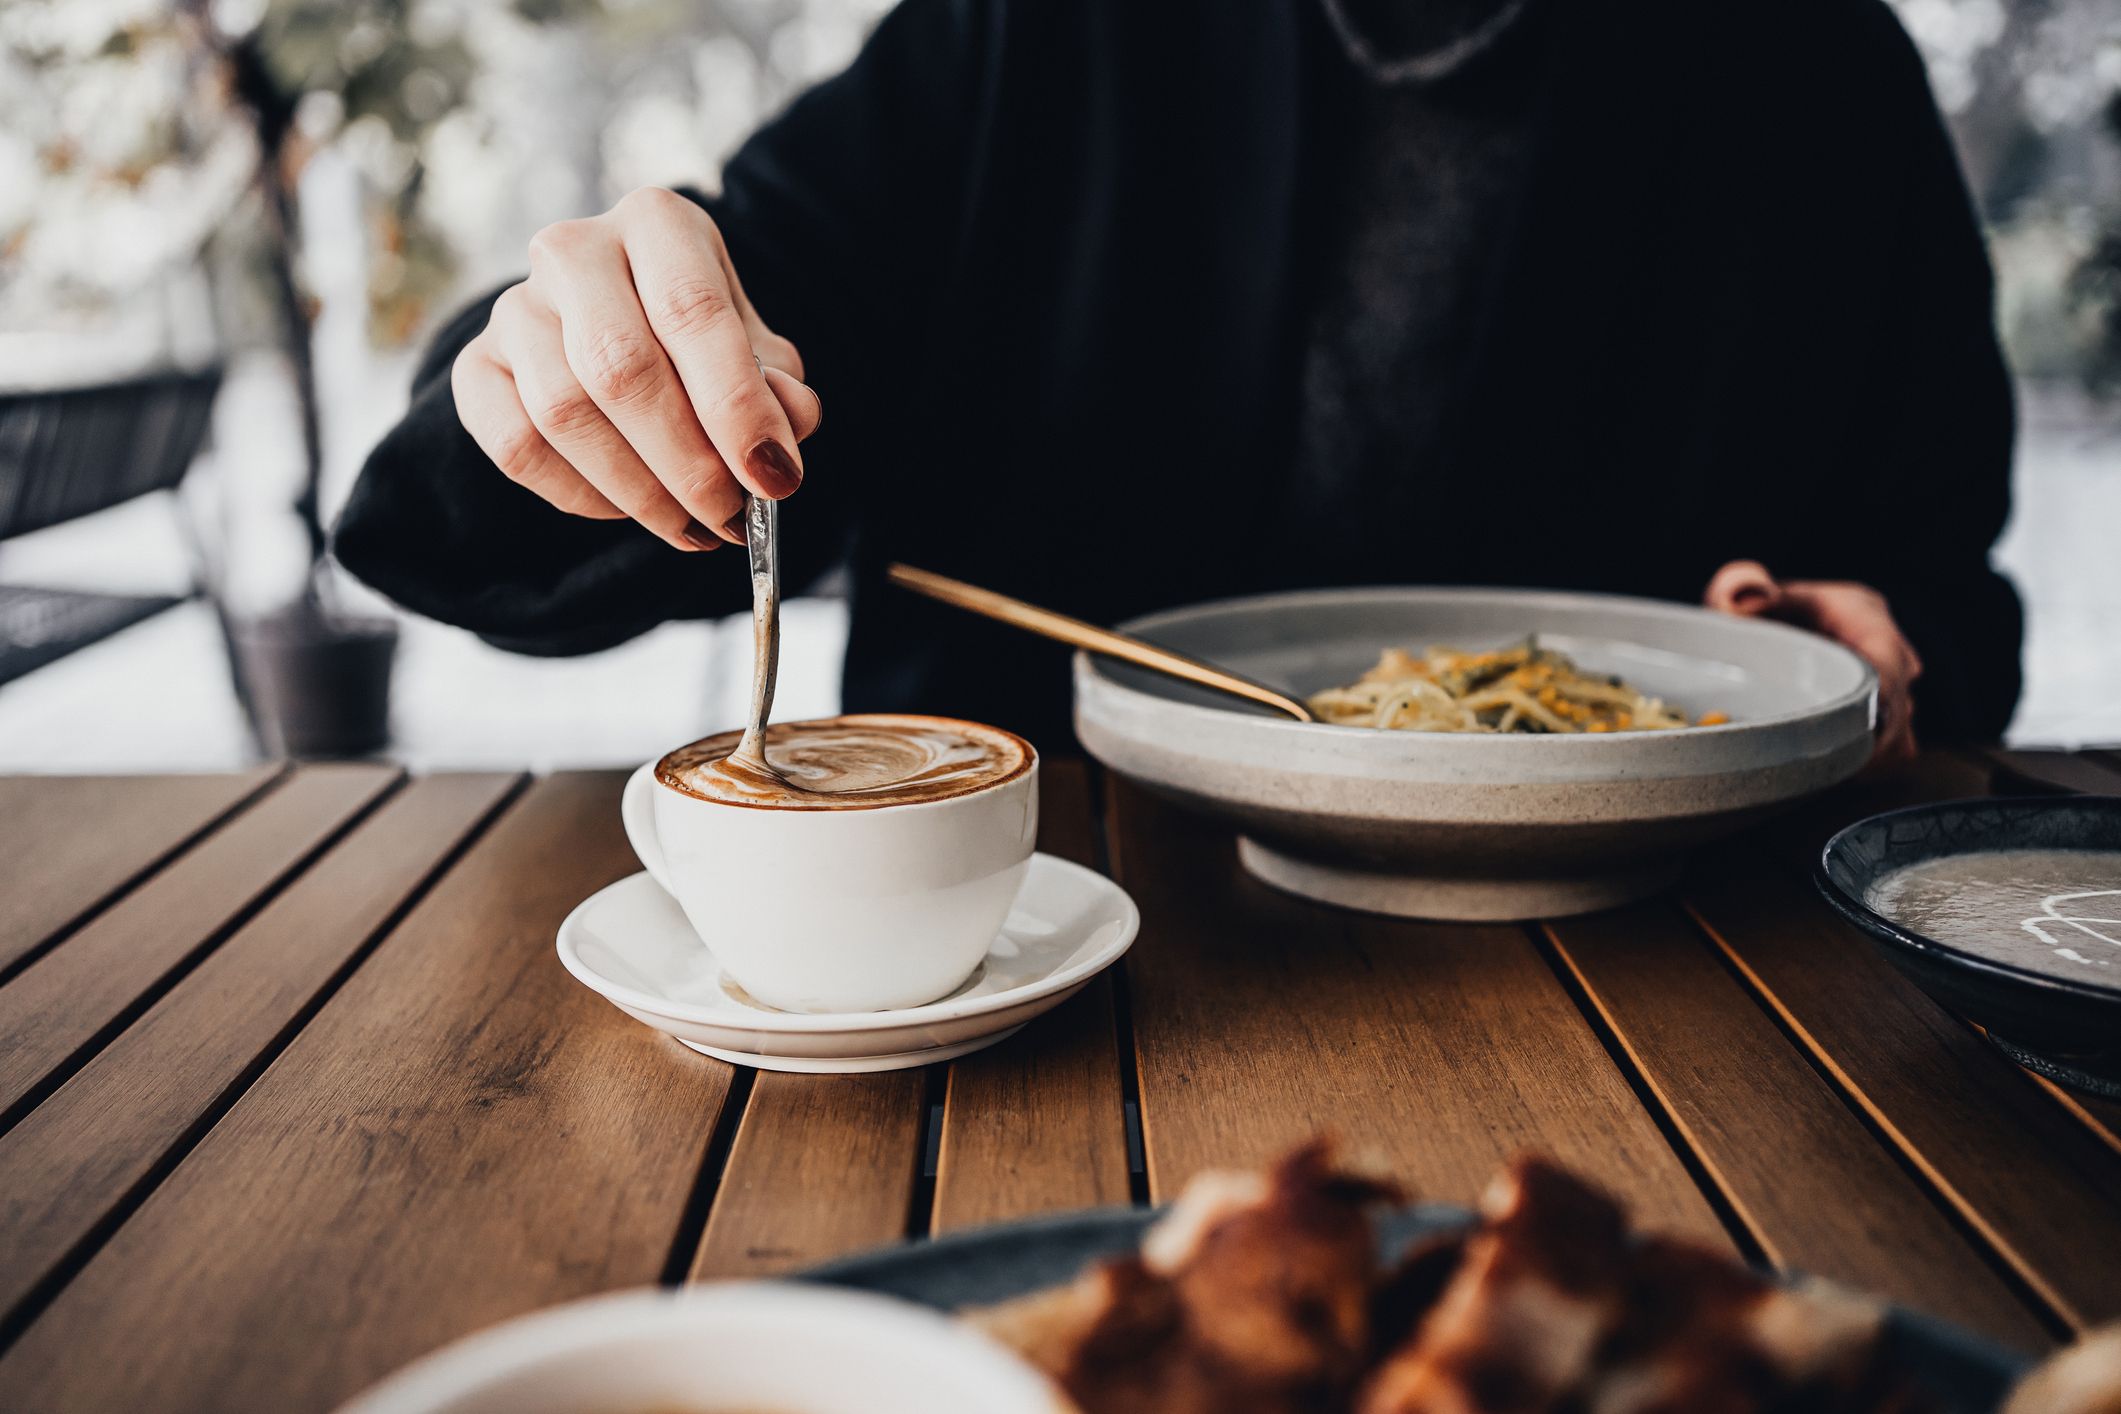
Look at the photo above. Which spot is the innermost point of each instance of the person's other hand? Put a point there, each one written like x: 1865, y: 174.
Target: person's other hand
x: 630, y: 376
x: 1853, y: 615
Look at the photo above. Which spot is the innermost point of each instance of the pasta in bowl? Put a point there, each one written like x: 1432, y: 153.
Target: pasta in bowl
x: 1524, y: 688
x: 1458, y: 822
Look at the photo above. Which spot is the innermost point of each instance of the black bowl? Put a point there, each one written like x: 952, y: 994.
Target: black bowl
x: 2068, y: 1030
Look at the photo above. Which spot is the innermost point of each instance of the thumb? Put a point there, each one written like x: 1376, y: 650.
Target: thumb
x: 1742, y: 587
x: 806, y: 411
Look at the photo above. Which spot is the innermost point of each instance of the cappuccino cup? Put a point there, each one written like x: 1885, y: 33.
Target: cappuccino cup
x: 871, y: 870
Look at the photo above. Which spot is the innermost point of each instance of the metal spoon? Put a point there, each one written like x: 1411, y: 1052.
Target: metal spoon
x: 1076, y: 633
x: 761, y: 532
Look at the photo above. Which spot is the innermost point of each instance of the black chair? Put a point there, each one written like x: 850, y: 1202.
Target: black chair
x: 73, y: 452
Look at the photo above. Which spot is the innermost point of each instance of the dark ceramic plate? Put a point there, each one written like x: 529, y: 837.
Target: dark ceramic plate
x: 1956, y: 1372
x: 2066, y: 1029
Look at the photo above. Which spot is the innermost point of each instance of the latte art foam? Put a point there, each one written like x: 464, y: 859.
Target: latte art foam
x: 850, y: 763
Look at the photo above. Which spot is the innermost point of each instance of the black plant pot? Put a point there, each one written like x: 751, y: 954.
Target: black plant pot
x: 318, y: 683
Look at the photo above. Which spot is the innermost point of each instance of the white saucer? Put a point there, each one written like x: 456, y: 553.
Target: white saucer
x: 630, y: 943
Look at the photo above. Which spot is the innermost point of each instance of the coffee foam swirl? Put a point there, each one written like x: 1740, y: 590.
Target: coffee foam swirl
x: 850, y: 763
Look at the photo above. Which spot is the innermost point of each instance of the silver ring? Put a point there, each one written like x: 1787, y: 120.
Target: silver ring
x: 760, y: 364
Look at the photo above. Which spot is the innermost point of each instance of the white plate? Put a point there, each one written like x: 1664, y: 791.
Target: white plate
x: 726, y: 1345
x: 630, y: 944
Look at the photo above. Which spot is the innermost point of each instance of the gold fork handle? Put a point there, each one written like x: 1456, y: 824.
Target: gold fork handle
x: 1091, y: 638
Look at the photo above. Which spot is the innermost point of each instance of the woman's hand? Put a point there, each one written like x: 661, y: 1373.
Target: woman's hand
x: 1853, y: 615
x: 630, y: 376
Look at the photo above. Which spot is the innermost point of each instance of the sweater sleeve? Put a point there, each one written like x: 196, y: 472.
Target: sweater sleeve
x: 1929, y: 471
x: 838, y: 215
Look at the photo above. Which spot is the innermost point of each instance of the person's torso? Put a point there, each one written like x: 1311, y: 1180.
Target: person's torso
x: 1613, y: 368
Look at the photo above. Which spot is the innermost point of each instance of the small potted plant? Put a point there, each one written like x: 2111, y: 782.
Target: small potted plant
x: 314, y: 677
x: 308, y: 73
x: 300, y: 75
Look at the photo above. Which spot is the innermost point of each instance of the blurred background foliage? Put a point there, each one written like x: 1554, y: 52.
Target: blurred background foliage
x: 412, y: 148
x: 130, y: 130
x: 2032, y: 89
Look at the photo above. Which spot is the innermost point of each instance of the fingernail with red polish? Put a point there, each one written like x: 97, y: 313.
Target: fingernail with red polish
x: 1748, y: 596
x: 698, y: 536
x: 734, y: 529
x: 773, y: 469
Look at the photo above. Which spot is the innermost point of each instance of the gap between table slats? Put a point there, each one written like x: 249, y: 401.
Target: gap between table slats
x: 1813, y: 1186
x: 2097, y: 773
x: 1038, y: 1123
x: 2024, y: 1173
x: 77, y: 1163
x: 1435, y: 1051
x: 2021, y: 771
x: 70, y: 1001
x: 69, y: 845
x: 824, y: 1165
x: 461, y: 1134
x: 2101, y: 1116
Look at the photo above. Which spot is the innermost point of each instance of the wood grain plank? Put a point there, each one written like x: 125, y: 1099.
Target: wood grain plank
x: 1038, y: 1123
x: 2037, y: 1185
x: 76, y: 1159
x: 822, y: 1165
x: 1813, y: 1186
x: 1438, y: 1050
x: 66, y: 1000
x: 1797, y: 838
x: 463, y: 1133
x: 1945, y: 775
x: 2098, y: 1114
x: 2022, y: 772
x: 67, y: 843
x: 2095, y: 773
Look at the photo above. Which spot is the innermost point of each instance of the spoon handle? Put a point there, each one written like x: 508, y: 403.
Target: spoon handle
x: 761, y: 541
x: 1091, y: 638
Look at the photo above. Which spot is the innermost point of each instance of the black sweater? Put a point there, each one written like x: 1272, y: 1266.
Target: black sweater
x: 1047, y: 262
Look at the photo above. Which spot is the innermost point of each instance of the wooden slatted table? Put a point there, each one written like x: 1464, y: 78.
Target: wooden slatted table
x: 293, y: 1088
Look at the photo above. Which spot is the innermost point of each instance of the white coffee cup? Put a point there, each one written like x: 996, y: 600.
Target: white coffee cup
x: 852, y: 910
